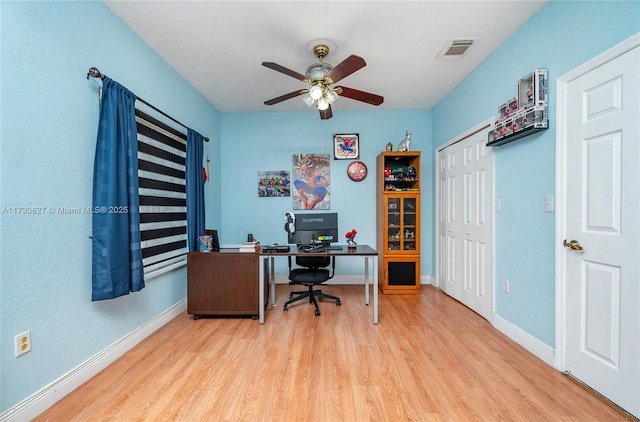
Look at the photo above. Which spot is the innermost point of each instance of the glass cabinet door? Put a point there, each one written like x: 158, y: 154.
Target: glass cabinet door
x: 409, y: 224
x: 394, y: 228
x: 401, y: 229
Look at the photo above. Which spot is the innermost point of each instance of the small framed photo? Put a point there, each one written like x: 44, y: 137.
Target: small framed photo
x: 346, y: 146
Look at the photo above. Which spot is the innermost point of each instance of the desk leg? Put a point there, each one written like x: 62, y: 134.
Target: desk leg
x: 261, y: 289
x: 366, y: 280
x: 272, y: 281
x: 375, y: 289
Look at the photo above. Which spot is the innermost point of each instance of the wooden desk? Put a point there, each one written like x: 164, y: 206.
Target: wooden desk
x: 223, y: 283
x: 266, y: 269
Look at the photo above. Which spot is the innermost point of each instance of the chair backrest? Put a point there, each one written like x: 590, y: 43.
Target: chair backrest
x: 313, y: 261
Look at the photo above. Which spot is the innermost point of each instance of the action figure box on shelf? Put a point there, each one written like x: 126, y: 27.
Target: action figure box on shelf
x: 499, y: 131
x: 513, y: 107
x: 536, y: 117
x: 532, y: 89
x: 507, y: 108
x: 518, y: 121
x: 502, y: 112
x: 508, y: 126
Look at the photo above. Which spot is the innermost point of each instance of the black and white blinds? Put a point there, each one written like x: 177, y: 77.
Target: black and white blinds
x: 163, y: 204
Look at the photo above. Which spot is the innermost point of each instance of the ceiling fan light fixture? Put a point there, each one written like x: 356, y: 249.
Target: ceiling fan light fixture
x: 315, y: 92
x: 316, y: 71
x: 307, y: 99
x: 331, y: 96
x: 323, y: 104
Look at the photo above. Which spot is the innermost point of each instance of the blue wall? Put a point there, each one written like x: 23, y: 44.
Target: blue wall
x: 49, y: 118
x: 560, y: 37
x: 267, y: 141
x: 49, y: 126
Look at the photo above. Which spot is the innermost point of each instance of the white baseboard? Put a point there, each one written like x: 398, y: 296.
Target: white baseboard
x: 40, y: 401
x: 536, y: 347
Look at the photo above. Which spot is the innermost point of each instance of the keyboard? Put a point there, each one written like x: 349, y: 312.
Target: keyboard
x: 318, y: 248
x: 311, y: 248
x: 275, y: 248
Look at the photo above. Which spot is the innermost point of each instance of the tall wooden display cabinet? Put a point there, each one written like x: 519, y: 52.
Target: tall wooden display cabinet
x: 398, y: 221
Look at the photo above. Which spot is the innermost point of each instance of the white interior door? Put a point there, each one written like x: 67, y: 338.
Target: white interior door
x: 476, y: 227
x: 465, y: 221
x: 601, y: 187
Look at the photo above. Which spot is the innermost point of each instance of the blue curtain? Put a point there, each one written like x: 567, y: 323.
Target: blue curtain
x: 195, y: 188
x: 117, y: 257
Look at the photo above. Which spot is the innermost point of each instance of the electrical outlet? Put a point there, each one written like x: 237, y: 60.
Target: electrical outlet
x: 505, y: 285
x: 23, y: 343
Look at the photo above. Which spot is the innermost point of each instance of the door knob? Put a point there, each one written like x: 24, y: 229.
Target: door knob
x: 574, y: 245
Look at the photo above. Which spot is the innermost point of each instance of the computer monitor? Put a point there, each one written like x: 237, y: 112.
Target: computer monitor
x: 315, y: 229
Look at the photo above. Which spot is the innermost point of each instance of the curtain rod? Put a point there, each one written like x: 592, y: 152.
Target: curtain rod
x: 95, y: 73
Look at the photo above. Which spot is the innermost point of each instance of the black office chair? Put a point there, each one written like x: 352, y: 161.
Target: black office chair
x: 312, y: 272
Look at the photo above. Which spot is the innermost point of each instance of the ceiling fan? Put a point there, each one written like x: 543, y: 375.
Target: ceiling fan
x: 321, y: 76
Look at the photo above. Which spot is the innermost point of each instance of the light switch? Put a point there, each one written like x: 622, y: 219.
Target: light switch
x: 498, y: 204
x: 549, y: 203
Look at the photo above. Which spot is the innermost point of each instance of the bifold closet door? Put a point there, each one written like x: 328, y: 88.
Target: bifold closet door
x: 465, y: 182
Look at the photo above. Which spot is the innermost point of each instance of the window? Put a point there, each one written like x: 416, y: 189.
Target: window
x: 162, y: 152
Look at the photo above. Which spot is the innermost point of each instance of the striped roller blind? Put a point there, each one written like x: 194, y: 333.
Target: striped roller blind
x: 162, y: 152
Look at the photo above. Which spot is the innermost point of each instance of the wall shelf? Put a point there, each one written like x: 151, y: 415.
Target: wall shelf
x: 514, y: 136
x: 525, y: 114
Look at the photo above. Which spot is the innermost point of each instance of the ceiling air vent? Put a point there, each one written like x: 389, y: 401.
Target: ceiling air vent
x: 456, y: 48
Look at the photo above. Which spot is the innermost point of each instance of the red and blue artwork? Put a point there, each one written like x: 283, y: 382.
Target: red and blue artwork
x: 346, y: 146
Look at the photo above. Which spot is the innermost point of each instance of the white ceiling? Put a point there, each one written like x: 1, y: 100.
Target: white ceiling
x: 218, y: 46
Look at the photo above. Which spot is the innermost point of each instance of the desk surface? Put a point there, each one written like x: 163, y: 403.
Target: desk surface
x: 359, y: 250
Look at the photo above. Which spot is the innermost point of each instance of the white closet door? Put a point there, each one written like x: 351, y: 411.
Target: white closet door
x: 476, y: 225
x: 465, y: 222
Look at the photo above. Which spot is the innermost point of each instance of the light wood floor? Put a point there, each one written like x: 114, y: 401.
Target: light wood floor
x: 429, y: 359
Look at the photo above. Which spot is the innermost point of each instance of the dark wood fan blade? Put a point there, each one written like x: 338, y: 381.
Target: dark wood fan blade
x: 365, y: 97
x: 282, y: 69
x: 346, y: 68
x: 326, y: 114
x: 284, y: 97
